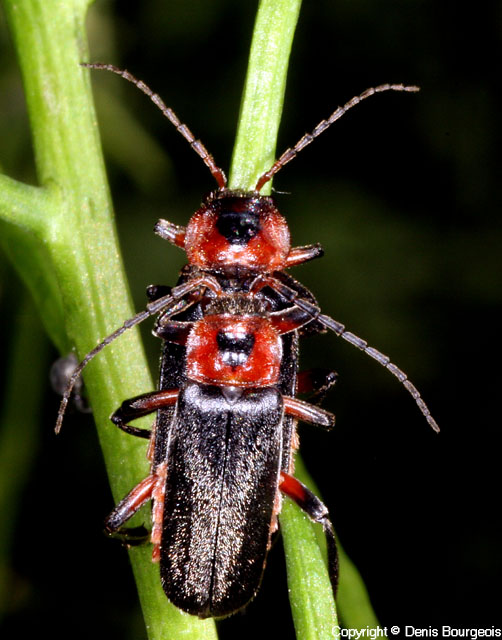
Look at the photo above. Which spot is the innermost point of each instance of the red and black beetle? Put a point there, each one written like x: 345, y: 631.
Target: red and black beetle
x: 221, y: 448
x: 221, y: 459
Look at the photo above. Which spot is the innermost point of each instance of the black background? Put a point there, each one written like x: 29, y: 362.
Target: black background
x: 402, y: 193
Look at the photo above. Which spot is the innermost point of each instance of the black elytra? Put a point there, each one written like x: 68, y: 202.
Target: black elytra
x: 222, y: 483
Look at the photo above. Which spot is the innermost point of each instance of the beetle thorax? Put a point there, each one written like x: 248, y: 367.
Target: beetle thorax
x: 242, y: 351
x: 236, y: 232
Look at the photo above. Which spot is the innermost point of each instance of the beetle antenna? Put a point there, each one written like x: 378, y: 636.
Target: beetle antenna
x: 175, y: 297
x: 292, y: 152
x: 382, y: 359
x: 339, y: 329
x: 217, y: 173
x: 152, y: 308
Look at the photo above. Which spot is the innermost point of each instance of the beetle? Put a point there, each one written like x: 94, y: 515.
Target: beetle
x: 217, y: 463
x: 221, y: 449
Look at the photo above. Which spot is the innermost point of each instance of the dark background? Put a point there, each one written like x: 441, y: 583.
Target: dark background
x: 403, y: 195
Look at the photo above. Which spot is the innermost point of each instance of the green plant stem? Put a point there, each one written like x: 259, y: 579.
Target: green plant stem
x: 68, y: 224
x: 263, y: 96
x: 353, y: 602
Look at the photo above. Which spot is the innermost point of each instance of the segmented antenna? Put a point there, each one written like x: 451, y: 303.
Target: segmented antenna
x: 131, y: 322
x: 196, y: 145
x: 292, y: 152
x: 382, y: 359
x: 339, y: 329
x: 152, y: 308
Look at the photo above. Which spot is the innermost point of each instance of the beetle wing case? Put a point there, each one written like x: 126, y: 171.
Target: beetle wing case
x: 223, y: 468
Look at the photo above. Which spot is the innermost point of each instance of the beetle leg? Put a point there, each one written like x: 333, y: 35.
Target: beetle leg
x: 290, y: 319
x: 172, y: 330
x: 174, y: 233
x: 140, y: 406
x: 308, y: 413
x: 316, y: 511
x: 151, y: 488
x: 130, y: 536
x: 316, y: 382
x: 299, y: 255
x: 156, y: 291
x: 158, y: 496
x: 125, y: 510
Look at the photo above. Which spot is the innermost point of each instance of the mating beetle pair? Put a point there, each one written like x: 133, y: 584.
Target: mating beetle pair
x: 222, y: 445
